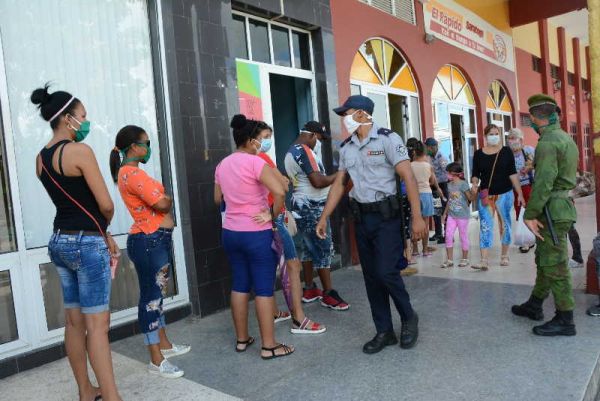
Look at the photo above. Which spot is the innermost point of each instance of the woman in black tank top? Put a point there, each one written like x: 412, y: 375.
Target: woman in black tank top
x: 80, y: 247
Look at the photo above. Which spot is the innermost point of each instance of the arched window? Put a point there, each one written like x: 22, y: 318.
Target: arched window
x: 498, y: 108
x: 378, y: 62
x: 451, y: 85
x: 381, y: 72
x: 497, y: 98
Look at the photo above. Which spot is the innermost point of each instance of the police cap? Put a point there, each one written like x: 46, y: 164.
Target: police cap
x: 539, y: 100
x: 357, y: 102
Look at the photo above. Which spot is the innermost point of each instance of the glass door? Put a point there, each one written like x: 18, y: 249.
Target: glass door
x: 381, y: 115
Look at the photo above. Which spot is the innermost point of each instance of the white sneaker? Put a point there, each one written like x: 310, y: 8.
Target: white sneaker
x: 178, y: 349
x: 573, y: 264
x: 166, y: 369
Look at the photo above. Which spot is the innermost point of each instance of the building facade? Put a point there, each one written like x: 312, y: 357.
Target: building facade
x: 182, y: 68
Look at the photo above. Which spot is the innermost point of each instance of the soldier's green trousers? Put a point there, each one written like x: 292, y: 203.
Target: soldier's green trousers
x: 553, y: 274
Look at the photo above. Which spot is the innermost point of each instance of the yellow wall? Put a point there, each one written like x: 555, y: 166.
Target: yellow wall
x: 553, y: 45
x: 493, y: 11
x: 527, y: 37
x: 582, y: 61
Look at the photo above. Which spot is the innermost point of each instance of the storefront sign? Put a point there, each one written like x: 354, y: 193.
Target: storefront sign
x: 249, y: 90
x: 460, y: 27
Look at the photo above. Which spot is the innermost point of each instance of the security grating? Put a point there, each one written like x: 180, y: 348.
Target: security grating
x: 402, y: 9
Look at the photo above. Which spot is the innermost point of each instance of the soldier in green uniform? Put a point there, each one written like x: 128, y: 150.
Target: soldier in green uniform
x: 549, y: 215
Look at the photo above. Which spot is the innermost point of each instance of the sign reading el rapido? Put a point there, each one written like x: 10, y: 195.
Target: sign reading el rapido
x: 462, y: 28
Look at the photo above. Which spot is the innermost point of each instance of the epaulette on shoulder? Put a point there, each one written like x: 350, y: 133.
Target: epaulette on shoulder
x: 384, y: 131
x: 345, y: 141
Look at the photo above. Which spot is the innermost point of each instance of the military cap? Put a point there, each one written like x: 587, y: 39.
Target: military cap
x: 539, y: 100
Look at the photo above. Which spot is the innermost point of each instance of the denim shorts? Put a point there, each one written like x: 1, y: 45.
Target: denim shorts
x: 83, y: 264
x: 289, y: 248
x: 313, y: 248
x: 426, y: 204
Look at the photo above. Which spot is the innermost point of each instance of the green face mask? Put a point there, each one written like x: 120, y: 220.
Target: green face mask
x: 144, y: 159
x: 83, y: 131
x: 553, y: 119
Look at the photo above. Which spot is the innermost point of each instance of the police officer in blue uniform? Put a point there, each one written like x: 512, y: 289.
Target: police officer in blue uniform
x: 371, y: 157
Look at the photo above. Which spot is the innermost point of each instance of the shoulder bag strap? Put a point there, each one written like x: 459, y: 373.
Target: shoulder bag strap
x: 74, y: 201
x: 493, y: 169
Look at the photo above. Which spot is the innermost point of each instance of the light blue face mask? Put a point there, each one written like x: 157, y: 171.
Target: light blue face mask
x: 265, y: 145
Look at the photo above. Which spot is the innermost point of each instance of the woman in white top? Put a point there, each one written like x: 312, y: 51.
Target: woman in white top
x: 423, y: 171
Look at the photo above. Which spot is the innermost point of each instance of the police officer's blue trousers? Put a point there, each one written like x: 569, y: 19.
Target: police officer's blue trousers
x: 381, y: 252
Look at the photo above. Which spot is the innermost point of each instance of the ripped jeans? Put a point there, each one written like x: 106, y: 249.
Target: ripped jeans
x: 151, y: 254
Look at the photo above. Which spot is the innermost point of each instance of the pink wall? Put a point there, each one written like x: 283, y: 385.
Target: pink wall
x: 355, y: 22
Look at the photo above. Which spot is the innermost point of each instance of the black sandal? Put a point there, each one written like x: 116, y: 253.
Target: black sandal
x: 247, y: 343
x: 288, y: 350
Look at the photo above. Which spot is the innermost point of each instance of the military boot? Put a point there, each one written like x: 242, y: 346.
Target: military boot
x: 561, y: 325
x: 531, y: 309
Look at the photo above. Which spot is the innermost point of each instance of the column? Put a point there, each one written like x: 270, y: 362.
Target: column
x: 564, y: 77
x: 545, y: 53
x: 594, y: 58
x: 578, y: 108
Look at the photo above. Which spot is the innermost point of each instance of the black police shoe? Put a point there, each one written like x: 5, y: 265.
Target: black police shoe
x: 435, y: 238
x: 531, y: 309
x: 410, y: 332
x: 560, y: 325
x: 379, y: 342
x: 441, y: 240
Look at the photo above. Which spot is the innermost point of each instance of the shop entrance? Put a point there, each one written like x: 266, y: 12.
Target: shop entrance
x: 498, y: 108
x: 380, y: 72
x: 456, y: 124
x: 291, y: 105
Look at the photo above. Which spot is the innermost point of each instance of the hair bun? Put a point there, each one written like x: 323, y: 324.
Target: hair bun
x: 238, y: 121
x: 41, y: 96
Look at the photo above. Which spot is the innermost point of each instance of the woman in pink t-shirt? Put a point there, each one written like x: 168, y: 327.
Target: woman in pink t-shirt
x: 244, y: 181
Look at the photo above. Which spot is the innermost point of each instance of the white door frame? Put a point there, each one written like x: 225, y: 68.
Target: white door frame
x: 366, y: 87
x: 265, y: 70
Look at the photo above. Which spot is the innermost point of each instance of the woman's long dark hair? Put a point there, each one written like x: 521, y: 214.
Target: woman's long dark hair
x: 127, y: 136
x: 50, y: 103
x: 410, y: 145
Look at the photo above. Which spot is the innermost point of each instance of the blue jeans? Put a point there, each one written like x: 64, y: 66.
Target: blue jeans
x: 315, y: 249
x: 152, y: 256
x: 289, y: 248
x: 503, y: 206
x: 83, y: 264
x: 253, y: 261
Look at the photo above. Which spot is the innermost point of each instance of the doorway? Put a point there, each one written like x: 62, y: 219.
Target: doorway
x: 456, y: 126
x: 398, y: 116
x: 292, y: 107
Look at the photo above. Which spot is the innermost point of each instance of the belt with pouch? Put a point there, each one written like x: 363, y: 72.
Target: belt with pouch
x: 388, y: 207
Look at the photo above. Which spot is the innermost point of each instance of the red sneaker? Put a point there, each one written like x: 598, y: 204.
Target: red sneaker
x: 331, y: 299
x: 312, y: 294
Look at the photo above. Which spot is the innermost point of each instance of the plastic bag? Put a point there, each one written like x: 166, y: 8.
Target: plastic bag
x: 523, y: 235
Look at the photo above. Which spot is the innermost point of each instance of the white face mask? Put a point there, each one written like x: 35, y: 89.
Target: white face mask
x: 352, y: 125
x: 493, y: 140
